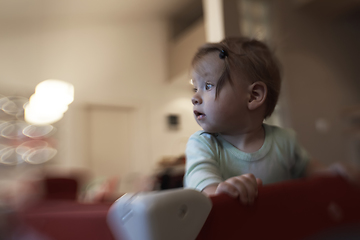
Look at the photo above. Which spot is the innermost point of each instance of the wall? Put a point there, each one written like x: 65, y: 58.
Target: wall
x: 183, y: 48
x: 318, y: 55
x: 110, y: 62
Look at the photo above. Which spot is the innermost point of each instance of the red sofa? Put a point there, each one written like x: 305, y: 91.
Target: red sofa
x: 68, y: 220
x: 59, y: 216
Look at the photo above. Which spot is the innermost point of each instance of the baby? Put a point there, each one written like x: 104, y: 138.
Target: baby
x: 237, y: 84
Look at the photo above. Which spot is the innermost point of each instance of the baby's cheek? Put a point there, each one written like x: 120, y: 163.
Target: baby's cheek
x: 222, y: 113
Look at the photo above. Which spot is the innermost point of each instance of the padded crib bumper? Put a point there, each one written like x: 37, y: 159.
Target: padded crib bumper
x: 324, y: 207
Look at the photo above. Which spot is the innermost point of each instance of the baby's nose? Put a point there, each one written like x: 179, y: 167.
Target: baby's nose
x: 196, y: 100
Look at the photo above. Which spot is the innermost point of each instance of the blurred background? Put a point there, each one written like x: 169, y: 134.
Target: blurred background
x: 129, y: 63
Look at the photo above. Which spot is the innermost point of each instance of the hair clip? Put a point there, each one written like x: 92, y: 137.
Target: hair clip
x: 223, y: 54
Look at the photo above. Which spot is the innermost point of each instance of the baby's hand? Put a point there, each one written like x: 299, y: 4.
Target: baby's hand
x: 243, y: 187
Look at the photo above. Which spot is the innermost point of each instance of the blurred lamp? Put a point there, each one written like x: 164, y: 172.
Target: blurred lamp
x: 45, y: 104
x: 49, y: 103
x: 38, y: 116
x: 56, y: 90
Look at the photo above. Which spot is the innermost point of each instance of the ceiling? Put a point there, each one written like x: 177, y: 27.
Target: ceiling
x: 329, y: 9
x: 122, y: 9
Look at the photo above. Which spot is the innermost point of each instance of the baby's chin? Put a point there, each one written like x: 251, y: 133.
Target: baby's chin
x: 208, y: 129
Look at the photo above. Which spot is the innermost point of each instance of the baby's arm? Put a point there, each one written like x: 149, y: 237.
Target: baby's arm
x: 243, y: 187
x: 203, y: 171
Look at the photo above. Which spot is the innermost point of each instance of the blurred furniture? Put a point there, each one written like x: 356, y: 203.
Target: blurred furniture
x: 68, y: 220
x: 170, y: 173
x: 60, y: 188
x: 169, y: 179
x: 59, y: 216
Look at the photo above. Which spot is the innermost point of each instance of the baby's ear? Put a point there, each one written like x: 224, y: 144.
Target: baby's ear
x: 258, y: 93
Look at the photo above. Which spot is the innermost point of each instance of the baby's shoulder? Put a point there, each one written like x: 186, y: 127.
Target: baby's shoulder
x: 280, y: 134
x: 204, y: 137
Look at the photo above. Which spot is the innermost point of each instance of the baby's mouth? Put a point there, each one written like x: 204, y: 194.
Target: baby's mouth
x: 199, y: 115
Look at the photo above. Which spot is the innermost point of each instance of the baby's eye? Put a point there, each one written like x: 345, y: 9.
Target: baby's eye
x: 208, y: 86
x: 195, y: 89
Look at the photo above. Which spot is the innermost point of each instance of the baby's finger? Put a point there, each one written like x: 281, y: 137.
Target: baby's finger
x: 259, y: 184
x: 253, y: 182
x: 250, y: 176
x: 250, y: 186
x: 225, y: 187
x: 239, y: 184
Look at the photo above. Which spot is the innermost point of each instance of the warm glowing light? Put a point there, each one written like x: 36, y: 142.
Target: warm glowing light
x: 12, y: 130
x: 38, y: 116
x: 43, y: 103
x: 24, y: 148
x: 56, y: 90
x: 191, y: 82
x: 13, y: 105
x: 36, y: 151
x: 40, y: 155
x: 32, y: 131
x: 8, y: 155
x: 49, y: 103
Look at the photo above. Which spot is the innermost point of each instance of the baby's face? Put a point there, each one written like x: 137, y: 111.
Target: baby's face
x: 226, y: 114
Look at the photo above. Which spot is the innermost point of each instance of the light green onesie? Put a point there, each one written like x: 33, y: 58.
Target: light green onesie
x: 211, y: 159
